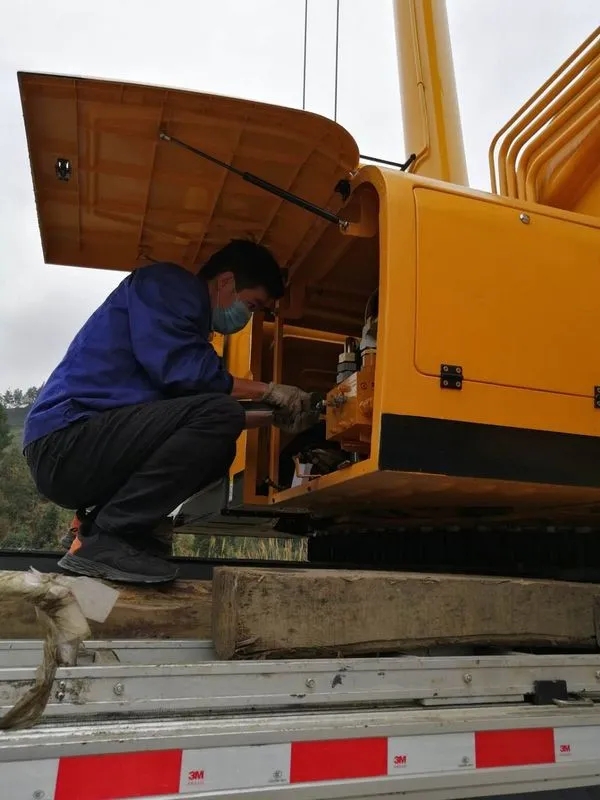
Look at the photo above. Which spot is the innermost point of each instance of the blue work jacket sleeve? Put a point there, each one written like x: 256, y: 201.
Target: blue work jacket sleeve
x: 169, y: 319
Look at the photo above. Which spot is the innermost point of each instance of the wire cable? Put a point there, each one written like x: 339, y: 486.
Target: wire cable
x: 337, y: 60
x: 305, y: 54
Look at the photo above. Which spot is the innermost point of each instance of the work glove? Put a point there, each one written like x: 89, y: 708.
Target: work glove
x: 298, y: 423
x: 290, y: 399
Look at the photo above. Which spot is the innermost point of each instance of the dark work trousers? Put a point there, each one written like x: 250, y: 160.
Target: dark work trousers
x: 138, y: 463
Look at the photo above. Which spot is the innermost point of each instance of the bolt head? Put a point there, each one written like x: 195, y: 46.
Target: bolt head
x: 525, y: 219
x: 467, y: 677
x: 310, y: 683
x: 598, y: 674
x: 118, y: 689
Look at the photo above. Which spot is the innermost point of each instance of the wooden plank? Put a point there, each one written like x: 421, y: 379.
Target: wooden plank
x: 270, y: 613
x: 180, y: 611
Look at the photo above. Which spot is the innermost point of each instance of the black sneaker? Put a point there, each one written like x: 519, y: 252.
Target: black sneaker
x: 155, y: 544
x: 100, y: 555
x: 67, y: 540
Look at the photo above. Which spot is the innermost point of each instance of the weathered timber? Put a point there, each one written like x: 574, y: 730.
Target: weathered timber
x: 271, y: 613
x: 180, y: 611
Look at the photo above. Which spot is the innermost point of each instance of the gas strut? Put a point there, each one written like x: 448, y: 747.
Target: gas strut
x: 261, y: 183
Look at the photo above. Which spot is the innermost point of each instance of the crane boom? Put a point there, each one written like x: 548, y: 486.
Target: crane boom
x: 430, y: 113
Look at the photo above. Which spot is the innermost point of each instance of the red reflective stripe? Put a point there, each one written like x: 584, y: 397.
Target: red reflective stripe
x: 514, y: 748
x: 338, y: 760
x: 150, y: 774
x: 119, y: 775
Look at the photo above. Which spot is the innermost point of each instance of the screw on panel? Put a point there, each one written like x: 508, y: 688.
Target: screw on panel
x: 38, y: 795
x: 524, y: 219
x: 61, y: 691
x: 118, y: 689
x: 309, y: 683
x: 467, y: 677
x: 598, y: 674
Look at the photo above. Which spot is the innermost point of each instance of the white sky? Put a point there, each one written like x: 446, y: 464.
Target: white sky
x: 503, y: 50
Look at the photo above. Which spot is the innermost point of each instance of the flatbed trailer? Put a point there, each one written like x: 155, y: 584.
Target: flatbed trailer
x: 165, y: 719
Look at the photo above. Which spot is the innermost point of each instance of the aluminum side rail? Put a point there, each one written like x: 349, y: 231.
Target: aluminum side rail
x: 168, y: 678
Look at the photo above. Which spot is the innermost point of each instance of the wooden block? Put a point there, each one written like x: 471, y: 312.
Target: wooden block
x: 277, y: 613
x: 180, y: 611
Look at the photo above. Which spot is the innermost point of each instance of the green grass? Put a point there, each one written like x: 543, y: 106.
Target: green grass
x: 240, y: 547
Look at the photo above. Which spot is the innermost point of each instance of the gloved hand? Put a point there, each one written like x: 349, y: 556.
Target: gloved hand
x: 287, y: 398
x: 290, y: 423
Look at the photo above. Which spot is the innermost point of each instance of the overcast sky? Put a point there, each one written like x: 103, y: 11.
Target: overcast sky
x: 503, y: 50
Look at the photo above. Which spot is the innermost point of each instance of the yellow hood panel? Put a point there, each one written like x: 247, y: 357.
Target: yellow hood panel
x: 131, y: 195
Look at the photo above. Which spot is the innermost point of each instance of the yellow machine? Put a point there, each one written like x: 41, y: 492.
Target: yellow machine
x: 452, y: 333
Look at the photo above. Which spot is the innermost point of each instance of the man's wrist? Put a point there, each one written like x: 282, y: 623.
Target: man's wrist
x: 248, y: 390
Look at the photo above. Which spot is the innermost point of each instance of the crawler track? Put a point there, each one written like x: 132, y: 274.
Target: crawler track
x: 550, y: 553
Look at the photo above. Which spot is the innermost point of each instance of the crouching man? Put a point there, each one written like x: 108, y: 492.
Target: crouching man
x: 141, y: 414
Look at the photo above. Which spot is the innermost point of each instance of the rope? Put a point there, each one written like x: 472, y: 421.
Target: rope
x: 65, y: 627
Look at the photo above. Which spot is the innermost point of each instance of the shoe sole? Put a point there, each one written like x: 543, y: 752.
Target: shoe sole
x: 92, y: 569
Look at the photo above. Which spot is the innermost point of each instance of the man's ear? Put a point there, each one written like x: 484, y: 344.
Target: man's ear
x: 225, y: 281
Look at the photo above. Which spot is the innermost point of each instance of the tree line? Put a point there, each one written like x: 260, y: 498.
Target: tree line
x: 19, y: 398
x: 27, y: 520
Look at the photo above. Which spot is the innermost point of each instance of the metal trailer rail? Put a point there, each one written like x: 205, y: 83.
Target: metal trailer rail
x: 161, y: 719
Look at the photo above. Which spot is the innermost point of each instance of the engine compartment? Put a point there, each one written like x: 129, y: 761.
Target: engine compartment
x: 323, y: 339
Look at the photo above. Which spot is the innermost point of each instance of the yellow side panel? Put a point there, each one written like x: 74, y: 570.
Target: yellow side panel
x: 514, y: 301
x: 589, y: 201
x: 218, y: 342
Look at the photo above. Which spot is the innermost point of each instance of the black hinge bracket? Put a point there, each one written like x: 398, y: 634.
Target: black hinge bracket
x: 546, y: 693
x: 451, y: 376
x: 596, y: 396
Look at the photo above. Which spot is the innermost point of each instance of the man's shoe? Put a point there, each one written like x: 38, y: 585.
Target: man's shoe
x: 158, y: 542
x: 100, y: 555
x: 67, y: 540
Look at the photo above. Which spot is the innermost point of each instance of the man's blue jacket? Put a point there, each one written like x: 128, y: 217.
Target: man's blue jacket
x: 149, y: 340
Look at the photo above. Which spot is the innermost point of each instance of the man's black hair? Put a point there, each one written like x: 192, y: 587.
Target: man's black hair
x: 252, y: 265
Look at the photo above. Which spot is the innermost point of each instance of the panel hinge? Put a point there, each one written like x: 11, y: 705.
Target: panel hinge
x: 596, y: 396
x: 451, y: 376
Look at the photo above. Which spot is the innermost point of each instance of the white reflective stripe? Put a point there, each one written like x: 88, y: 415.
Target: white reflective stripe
x: 577, y: 743
x: 419, y: 755
x: 29, y: 780
x: 255, y: 766
x: 247, y: 767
